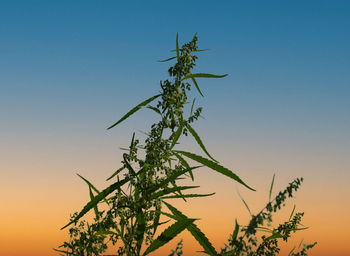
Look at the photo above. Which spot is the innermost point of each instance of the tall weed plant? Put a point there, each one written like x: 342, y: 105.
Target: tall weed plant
x: 149, y: 175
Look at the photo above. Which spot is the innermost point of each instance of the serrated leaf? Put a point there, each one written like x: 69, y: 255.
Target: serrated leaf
x: 195, y: 83
x: 195, y: 231
x: 202, y: 75
x: 133, y: 110
x: 168, y: 234
x: 199, y: 141
x: 271, y: 187
x: 214, y: 166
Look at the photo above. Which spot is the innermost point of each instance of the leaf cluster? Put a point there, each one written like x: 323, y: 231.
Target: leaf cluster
x: 149, y: 175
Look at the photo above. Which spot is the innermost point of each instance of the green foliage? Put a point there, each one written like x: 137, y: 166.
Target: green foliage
x: 149, y: 174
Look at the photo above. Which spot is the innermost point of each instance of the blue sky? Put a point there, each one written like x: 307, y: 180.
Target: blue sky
x: 87, y: 62
x: 69, y: 69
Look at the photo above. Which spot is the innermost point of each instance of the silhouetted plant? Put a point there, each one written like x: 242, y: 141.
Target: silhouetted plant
x: 134, y: 202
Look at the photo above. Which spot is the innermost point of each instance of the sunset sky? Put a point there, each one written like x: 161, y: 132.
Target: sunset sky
x: 69, y: 69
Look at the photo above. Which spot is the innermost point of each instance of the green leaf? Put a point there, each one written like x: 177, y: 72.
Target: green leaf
x: 116, y: 173
x: 177, y: 47
x: 291, y: 215
x: 91, y: 186
x: 195, y: 231
x: 154, y: 109
x: 140, y: 229
x: 200, y: 50
x: 274, y: 236
x: 179, y: 191
x: 184, y: 163
x: 291, y: 251
x: 106, y: 232
x: 128, y: 166
x: 192, y: 106
x: 202, y: 75
x: 132, y: 111
x: 186, y: 196
x: 177, y: 134
x: 199, y: 141
x: 235, y: 232
x: 215, y: 166
x: 168, y: 234
x: 101, y: 196
x: 172, y: 177
x: 167, y: 59
x: 195, y: 83
x: 156, y: 220
x: 168, y: 190
x: 273, y: 180
x: 92, y: 198
x: 246, y: 205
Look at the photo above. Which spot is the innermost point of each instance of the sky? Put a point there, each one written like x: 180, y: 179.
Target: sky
x: 69, y: 69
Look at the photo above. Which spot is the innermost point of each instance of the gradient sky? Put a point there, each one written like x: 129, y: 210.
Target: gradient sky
x: 69, y: 69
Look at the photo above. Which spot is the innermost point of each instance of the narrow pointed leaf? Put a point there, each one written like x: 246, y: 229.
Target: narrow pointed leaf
x: 246, y: 205
x: 154, y: 109
x: 172, y: 177
x: 271, y: 187
x: 92, y: 198
x: 128, y: 166
x: 116, y: 173
x: 179, y: 191
x: 215, y: 166
x: 290, y: 253
x: 140, y: 230
x: 168, y: 234
x: 184, y: 163
x: 192, y: 106
x: 274, y: 236
x: 195, y: 83
x: 91, y: 186
x: 132, y: 111
x: 195, y: 231
x: 200, y: 50
x: 156, y: 220
x: 235, y: 232
x: 171, y: 190
x: 177, y: 47
x: 177, y: 134
x: 102, y: 195
x: 291, y: 215
x: 199, y: 141
x: 171, y: 58
x: 187, y: 196
x: 202, y: 75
